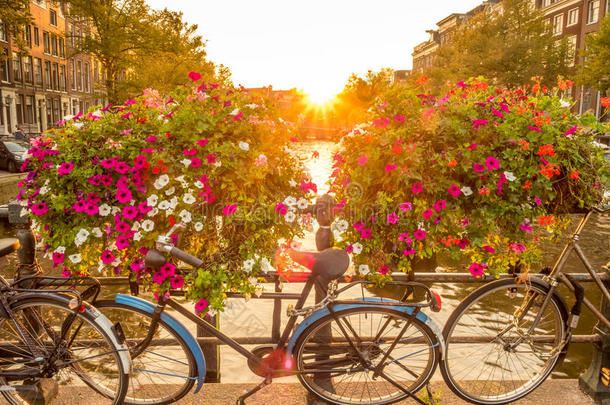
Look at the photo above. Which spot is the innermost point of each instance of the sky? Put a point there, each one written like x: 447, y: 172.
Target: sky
x: 312, y: 45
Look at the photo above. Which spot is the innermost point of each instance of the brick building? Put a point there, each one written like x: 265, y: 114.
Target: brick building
x: 40, y: 88
x: 569, y: 19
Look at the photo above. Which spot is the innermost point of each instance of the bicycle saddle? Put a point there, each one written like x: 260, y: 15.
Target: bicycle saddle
x: 327, y: 265
x: 8, y: 246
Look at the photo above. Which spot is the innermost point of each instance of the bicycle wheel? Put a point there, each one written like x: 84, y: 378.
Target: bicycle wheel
x: 335, y: 358
x: 489, y: 371
x: 166, y: 370
x: 86, y: 357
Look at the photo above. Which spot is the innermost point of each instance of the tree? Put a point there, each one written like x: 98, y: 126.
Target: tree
x: 138, y: 47
x: 360, y: 92
x: 15, y: 14
x: 595, y: 69
x: 507, y: 47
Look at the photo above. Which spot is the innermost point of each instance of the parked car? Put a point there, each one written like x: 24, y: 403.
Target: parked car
x: 12, y: 155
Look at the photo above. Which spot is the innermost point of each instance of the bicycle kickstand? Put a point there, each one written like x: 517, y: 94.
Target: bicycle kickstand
x: 241, y: 400
x: 430, y: 396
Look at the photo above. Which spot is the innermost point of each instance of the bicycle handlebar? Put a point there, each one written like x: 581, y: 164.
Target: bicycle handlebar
x: 186, y: 257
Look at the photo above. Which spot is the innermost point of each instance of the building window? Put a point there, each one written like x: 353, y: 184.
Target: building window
x: 19, y: 108
x: 3, y: 36
x: 46, y: 42
x: 27, y: 69
x: 593, y: 11
x: 54, y: 45
x: 16, y: 67
x: 29, y: 109
x: 72, y: 34
x: 28, y: 35
x: 572, y: 17
x: 4, y: 68
x: 56, y: 116
x: 62, y: 78
x: 47, y: 74
x: 86, y: 75
x: 79, y: 75
x: 607, y: 7
x: 55, y: 76
x: 73, y: 74
x: 571, y: 41
x: 558, y: 24
x: 62, y: 48
x: 38, y: 71
x: 53, y: 17
x: 36, y: 37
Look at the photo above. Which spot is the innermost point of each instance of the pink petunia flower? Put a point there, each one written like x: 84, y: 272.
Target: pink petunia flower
x: 399, y: 118
x: 194, y: 76
x: 392, y: 218
x: 454, y: 190
x: 65, y: 168
x: 492, y: 163
x: 427, y: 213
x: 201, y: 305
x: 420, y: 234
x: 281, y: 209
x: 390, y: 167
x: 130, y: 212
x: 407, y: 206
x: 365, y: 233
x: 440, y: 205
x: 202, y: 142
x: 40, y: 208
x: 408, y: 251
x: 476, y: 124
x: 359, y: 226
x: 473, y: 146
x: 91, y: 208
x: 477, y: 269
x: 58, y: 258
x: 489, y: 249
x: 211, y: 159
x: 479, y: 168
x: 122, y: 242
x: 107, y: 257
x: 123, y: 195
x: 190, y: 152
x: 229, y: 209
x: 383, y: 270
x: 362, y: 160
x: 417, y: 188
x: 176, y: 282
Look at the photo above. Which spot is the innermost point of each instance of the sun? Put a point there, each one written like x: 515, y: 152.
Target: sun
x: 320, y: 96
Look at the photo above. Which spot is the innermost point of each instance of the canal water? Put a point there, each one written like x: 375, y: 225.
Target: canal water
x: 253, y: 317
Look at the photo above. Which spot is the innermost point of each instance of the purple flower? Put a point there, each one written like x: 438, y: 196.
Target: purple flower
x: 122, y: 227
x: 158, y: 278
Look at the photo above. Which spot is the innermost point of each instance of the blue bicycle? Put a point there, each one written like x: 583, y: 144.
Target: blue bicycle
x: 372, y: 351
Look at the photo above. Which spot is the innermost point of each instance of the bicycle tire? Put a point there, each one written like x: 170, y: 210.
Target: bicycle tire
x: 327, y: 388
x: 485, y: 304
x: 143, y: 387
x: 93, y: 333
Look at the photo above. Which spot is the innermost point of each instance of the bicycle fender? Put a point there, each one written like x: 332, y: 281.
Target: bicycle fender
x: 368, y: 303
x: 176, y: 326
x: 105, y: 324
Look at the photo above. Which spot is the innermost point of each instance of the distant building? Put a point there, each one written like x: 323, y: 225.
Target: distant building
x: 570, y: 19
x: 400, y: 75
x: 40, y: 88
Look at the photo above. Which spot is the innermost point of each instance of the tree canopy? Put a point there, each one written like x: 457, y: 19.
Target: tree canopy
x: 139, y: 47
x: 15, y: 14
x: 595, y: 70
x: 508, y: 48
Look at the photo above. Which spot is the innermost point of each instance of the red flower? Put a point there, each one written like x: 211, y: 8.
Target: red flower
x: 194, y: 76
x: 574, y: 174
x: 605, y: 102
x: 421, y: 80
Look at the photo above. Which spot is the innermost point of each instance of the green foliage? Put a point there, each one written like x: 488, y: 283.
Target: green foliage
x: 140, y: 47
x: 508, y: 48
x: 15, y: 14
x: 482, y: 171
x: 595, y: 70
x: 107, y: 184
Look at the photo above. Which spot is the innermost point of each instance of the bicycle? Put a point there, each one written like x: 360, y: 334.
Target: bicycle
x: 365, y: 351
x: 52, y: 338
x: 523, y: 330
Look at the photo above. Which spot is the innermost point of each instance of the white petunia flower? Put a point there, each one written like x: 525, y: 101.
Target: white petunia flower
x: 186, y: 162
x: 115, y: 210
x: 357, y: 248
x: 290, y: 216
x: 148, y: 225
x: 137, y: 236
x: 97, y: 232
x: 173, y: 202
x: 364, y: 269
x: 185, y: 216
x: 342, y: 226
x: 265, y: 265
x: 510, y: 176
x: 248, y: 264
x: 60, y: 249
x: 292, y: 183
x: 161, y: 182
x: 81, y: 237
x: 290, y: 201
x: 564, y: 104
x: 136, y: 226
x: 218, y: 163
x: 466, y: 191
x: 170, y: 191
x: 164, y: 205
x: 44, y: 190
x: 235, y: 111
x: 188, y: 198
x: 198, y: 226
x: 75, y: 258
x: 153, y: 212
x: 244, y: 146
x: 198, y: 184
x: 302, y: 203
x: 253, y: 106
x: 152, y: 200
x: 104, y: 210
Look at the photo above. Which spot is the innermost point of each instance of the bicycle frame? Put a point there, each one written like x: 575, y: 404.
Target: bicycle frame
x: 555, y: 276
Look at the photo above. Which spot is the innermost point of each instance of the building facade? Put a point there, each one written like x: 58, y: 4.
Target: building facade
x: 46, y: 84
x: 569, y: 20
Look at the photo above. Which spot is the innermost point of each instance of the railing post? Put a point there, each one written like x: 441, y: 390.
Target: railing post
x: 590, y: 382
x: 211, y: 351
x: 323, y: 211
x: 27, y: 242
